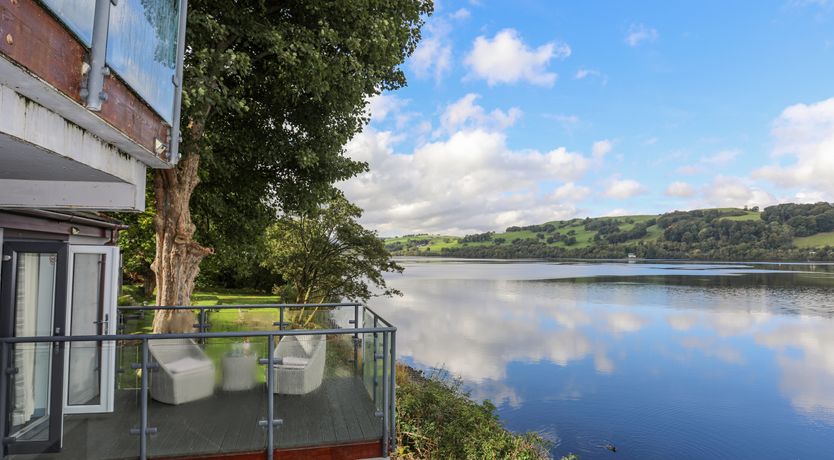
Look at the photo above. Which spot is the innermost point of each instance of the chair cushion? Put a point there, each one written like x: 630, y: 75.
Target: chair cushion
x: 186, y: 364
x: 309, y: 343
x: 294, y: 361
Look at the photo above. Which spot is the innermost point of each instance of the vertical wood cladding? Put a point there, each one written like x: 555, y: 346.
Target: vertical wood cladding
x: 35, y: 40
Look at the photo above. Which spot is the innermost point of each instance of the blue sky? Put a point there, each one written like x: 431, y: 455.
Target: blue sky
x: 527, y: 111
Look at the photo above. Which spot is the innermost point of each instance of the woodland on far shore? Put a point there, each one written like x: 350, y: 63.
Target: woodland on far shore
x: 782, y: 232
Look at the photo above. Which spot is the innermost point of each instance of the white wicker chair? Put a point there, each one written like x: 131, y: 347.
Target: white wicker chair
x: 185, y: 372
x: 299, y: 367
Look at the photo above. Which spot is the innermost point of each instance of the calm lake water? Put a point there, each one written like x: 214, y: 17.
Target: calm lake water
x: 684, y: 361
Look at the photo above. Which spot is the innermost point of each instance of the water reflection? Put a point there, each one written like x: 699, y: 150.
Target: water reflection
x: 665, y: 361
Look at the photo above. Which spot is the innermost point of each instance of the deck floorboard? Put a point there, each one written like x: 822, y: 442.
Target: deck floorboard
x: 340, y: 411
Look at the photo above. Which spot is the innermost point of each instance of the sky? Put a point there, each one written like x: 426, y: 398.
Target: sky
x: 521, y: 112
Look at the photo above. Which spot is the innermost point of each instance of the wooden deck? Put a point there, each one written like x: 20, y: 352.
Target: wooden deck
x: 340, y: 412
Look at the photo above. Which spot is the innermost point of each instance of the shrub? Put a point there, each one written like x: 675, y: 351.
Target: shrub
x: 436, y: 419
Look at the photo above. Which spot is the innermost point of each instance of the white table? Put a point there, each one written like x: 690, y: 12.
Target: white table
x: 239, y: 372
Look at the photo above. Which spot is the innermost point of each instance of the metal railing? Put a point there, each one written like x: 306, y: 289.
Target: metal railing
x: 365, y: 334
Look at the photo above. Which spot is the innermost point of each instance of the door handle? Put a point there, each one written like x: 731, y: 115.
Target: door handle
x: 103, y: 323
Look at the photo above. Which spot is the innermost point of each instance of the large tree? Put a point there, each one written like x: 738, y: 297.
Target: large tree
x: 271, y: 94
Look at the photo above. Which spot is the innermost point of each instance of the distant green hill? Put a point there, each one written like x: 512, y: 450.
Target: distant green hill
x: 782, y: 232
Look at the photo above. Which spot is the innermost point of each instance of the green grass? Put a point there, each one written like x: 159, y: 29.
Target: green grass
x: 231, y: 297
x: 339, y: 349
x: 815, y: 241
x: 751, y: 215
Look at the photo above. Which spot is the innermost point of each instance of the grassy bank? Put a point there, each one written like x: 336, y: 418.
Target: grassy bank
x: 437, y: 419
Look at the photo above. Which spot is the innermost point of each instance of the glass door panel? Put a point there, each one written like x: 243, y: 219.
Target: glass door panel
x: 85, y: 318
x: 90, y: 367
x: 32, y: 304
x: 34, y: 310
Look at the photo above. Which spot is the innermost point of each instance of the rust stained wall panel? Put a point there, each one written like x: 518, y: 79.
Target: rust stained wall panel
x: 32, y: 37
x: 41, y: 44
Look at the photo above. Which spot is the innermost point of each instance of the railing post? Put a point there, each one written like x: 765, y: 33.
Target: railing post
x: 385, y: 387
x: 143, y: 410
x: 270, y: 398
x: 94, y: 92
x: 375, y: 359
x: 4, y: 378
x: 393, y: 407
x: 270, y: 421
x: 280, y: 320
x: 355, y: 340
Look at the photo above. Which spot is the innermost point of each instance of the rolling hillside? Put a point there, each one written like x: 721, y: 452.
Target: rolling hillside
x: 780, y: 232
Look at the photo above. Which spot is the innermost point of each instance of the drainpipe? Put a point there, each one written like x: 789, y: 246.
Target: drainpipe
x: 174, y: 155
x: 95, y: 94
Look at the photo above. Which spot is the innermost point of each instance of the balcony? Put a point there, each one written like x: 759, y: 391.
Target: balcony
x: 209, y: 394
x: 90, y: 96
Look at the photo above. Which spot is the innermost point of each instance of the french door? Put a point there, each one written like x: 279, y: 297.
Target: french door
x: 55, y: 289
x: 33, y: 304
x: 89, y: 373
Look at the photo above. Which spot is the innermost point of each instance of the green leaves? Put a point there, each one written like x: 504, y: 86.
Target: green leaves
x: 325, y: 254
x: 436, y: 419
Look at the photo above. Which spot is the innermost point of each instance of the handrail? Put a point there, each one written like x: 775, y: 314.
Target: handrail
x: 195, y: 335
x: 232, y: 307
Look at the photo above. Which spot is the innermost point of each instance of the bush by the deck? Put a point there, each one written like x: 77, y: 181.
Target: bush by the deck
x: 436, y: 419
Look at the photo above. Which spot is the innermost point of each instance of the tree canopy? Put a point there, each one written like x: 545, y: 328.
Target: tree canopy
x: 324, y: 254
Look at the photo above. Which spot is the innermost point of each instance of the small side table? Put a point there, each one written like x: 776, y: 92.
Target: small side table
x: 239, y: 372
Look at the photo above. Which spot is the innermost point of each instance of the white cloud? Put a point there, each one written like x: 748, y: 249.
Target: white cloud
x: 381, y: 105
x: 805, y: 133
x: 505, y: 58
x: 681, y: 189
x: 639, y: 33
x: 601, y: 148
x: 470, y: 181
x: 623, y: 188
x: 433, y: 56
x: 585, y: 73
x: 570, y: 192
x: 618, y: 212
x: 462, y: 13
x: 465, y: 113
x: 727, y: 191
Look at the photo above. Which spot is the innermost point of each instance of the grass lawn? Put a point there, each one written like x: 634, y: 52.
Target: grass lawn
x: 339, y: 348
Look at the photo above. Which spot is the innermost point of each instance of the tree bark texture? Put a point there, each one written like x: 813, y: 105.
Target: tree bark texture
x: 178, y: 256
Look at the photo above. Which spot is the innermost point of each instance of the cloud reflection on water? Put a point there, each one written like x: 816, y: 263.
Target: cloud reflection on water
x: 476, y: 323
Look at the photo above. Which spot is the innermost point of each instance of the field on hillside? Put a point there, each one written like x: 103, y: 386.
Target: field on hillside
x: 815, y: 241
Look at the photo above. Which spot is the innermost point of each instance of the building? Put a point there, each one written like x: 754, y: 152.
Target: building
x: 89, y: 100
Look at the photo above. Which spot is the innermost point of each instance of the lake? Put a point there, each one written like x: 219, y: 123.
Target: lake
x: 660, y: 360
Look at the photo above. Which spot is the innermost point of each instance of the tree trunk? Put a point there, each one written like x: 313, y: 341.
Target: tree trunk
x: 178, y: 256
x: 148, y: 283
